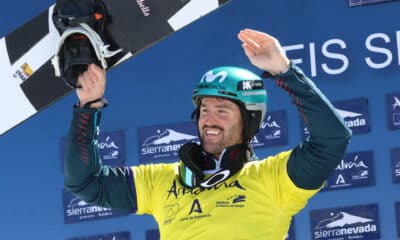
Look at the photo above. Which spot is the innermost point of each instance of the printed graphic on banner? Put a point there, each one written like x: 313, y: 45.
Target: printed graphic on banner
x: 397, y: 207
x: 273, y: 132
x: 291, y: 234
x: 111, y: 148
x: 355, y: 222
x: 354, y: 171
x: 76, y: 210
x: 365, y: 2
x: 393, y: 110
x: 108, y: 236
x: 355, y: 113
x: 160, y: 142
x: 152, y: 234
x: 395, y: 159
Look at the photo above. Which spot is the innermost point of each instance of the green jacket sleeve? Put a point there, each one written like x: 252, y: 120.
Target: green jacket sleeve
x: 314, y: 160
x: 84, y: 174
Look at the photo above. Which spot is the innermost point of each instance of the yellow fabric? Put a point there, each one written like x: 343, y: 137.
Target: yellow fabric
x: 256, y: 203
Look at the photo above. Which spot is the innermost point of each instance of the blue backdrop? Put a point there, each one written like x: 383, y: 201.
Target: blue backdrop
x: 350, y: 52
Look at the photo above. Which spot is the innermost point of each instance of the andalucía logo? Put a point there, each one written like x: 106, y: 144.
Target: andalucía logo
x: 393, y: 110
x: 395, y: 159
x: 354, y: 171
x: 273, y: 131
x: 163, y: 141
x: 355, y: 113
x: 111, y: 148
x: 355, y: 222
x: 108, y: 236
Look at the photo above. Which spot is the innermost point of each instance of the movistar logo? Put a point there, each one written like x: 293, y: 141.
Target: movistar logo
x: 211, y: 77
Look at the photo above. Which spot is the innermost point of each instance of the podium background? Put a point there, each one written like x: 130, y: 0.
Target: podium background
x: 155, y: 88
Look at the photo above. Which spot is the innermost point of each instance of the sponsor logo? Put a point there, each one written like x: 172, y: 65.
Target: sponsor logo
x: 396, y: 103
x: 76, y: 210
x: 211, y: 77
x: 163, y: 142
x: 167, y: 137
x: 358, y: 222
x: 273, y: 130
x: 145, y: 9
x: 355, y: 170
x: 355, y: 113
x: 109, y: 148
x: 393, y: 110
x: 234, y: 201
x: 178, y: 190
x: 395, y: 159
x: 250, y: 85
x: 352, y: 119
x: 170, y: 212
x: 23, y: 73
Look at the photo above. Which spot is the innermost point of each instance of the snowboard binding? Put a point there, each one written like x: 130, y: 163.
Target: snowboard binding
x: 81, y: 24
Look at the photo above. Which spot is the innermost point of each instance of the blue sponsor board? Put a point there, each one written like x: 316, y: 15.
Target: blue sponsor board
x: 364, y: 2
x: 397, y: 209
x: 395, y: 159
x: 108, y: 236
x: 152, y: 234
x: 111, y: 148
x: 76, y: 210
x: 354, y: 171
x: 273, y: 132
x: 355, y: 222
x: 291, y: 233
x: 162, y: 142
x: 393, y: 110
x: 355, y: 113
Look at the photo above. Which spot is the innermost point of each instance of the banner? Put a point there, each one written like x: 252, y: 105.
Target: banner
x: 111, y: 148
x: 393, y: 110
x: 76, y: 210
x: 355, y: 222
x: 395, y: 160
x: 273, y: 131
x: 162, y: 142
x: 108, y: 236
x: 354, y: 171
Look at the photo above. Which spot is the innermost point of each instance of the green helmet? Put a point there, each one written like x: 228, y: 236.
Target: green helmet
x: 242, y: 87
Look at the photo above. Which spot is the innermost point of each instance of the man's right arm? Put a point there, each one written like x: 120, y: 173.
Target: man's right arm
x: 84, y: 174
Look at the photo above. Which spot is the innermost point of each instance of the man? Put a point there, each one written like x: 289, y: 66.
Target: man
x: 216, y: 191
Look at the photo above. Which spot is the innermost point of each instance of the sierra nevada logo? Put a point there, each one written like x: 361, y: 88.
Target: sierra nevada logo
x: 352, y: 119
x: 164, y: 142
x: 358, y: 222
x: 167, y: 137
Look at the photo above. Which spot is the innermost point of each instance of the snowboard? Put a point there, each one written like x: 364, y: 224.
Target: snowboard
x: 27, y: 78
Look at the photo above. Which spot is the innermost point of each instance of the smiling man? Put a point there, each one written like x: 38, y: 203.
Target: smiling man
x: 218, y: 189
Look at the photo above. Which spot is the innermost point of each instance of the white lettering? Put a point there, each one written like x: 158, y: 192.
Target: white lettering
x: 372, y: 48
x: 345, y: 231
x: 331, y: 55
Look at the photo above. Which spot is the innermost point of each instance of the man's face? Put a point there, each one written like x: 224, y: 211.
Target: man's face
x: 220, y: 125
